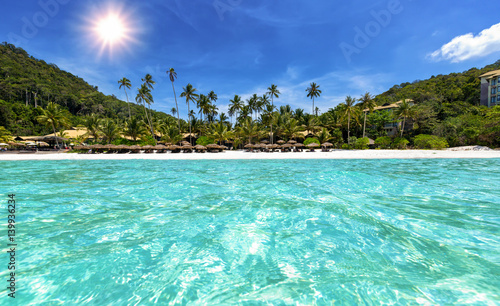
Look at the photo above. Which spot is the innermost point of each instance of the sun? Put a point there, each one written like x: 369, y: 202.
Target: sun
x: 111, y: 29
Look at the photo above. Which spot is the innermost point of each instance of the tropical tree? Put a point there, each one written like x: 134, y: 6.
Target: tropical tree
x: 92, y: 124
x: 324, y: 135
x: 404, y: 110
x: 313, y: 92
x: 203, y: 103
x: 144, y: 97
x: 174, y: 111
x: 349, y: 111
x: 249, y: 129
x: 291, y: 128
x: 110, y: 130
x: 148, y: 80
x: 171, y: 134
x: 235, y: 106
x: 190, y: 94
x: 53, y: 117
x: 252, y: 103
x: 173, y: 75
x: 220, y: 132
x: 367, y: 105
x: 273, y: 92
x: 134, y: 128
x: 5, y: 135
x: 125, y: 83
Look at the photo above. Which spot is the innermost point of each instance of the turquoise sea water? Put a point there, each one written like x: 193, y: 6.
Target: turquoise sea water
x: 255, y: 232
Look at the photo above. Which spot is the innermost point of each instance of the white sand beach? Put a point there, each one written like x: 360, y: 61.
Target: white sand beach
x: 241, y: 155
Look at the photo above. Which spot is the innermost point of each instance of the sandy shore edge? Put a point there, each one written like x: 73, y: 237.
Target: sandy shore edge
x: 241, y: 155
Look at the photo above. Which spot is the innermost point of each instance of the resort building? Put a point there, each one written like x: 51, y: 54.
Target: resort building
x: 392, y: 128
x: 490, y: 88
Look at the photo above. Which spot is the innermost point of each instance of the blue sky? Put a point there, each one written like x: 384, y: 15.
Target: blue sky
x: 242, y: 46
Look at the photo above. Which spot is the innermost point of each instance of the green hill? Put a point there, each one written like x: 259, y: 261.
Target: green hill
x: 26, y: 82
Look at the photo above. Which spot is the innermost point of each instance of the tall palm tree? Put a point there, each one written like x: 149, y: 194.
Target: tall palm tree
x: 144, y: 96
x: 212, y: 96
x: 203, y: 103
x: 191, y: 96
x: 404, y: 110
x: 235, y: 106
x: 125, y: 83
x: 148, y: 80
x: 274, y: 93
x: 368, y: 105
x: 173, y: 75
x: 53, y: 117
x: 313, y: 92
x: 348, y: 112
x: 174, y: 111
x: 252, y: 103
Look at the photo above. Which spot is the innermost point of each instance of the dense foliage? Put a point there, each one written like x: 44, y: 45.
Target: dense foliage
x: 445, y: 106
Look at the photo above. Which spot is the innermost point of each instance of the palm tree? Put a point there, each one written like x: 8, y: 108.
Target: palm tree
x: 174, y: 111
x: 324, y: 136
x: 312, y: 92
x: 191, y: 96
x: 148, y: 80
x: 235, y: 106
x: 92, y: 124
x: 110, y: 130
x: 173, y: 75
x: 134, y: 128
x: 52, y: 116
x: 203, y: 103
x: 249, y: 129
x: 274, y: 93
x: 144, y: 96
x: 367, y: 104
x: 212, y: 96
x: 348, y: 112
x: 125, y: 83
x: 220, y: 131
x: 252, y: 103
x: 404, y: 110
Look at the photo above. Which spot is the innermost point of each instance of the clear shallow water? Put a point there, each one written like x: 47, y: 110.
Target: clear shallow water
x: 256, y: 232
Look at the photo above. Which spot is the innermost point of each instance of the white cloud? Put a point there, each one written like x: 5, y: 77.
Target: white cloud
x: 468, y: 46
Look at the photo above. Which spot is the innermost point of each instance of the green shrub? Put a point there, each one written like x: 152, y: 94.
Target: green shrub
x: 423, y: 141
x: 337, y: 139
x: 362, y: 143
x: 399, y: 143
x: 345, y: 146
x: 384, y: 142
x: 204, y: 140
x: 311, y: 140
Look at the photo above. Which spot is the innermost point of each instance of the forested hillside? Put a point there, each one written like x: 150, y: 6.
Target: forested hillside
x: 26, y: 82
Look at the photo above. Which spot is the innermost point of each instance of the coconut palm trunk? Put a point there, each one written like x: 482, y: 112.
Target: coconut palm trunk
x: 364, y: 126
x: 177, y: 106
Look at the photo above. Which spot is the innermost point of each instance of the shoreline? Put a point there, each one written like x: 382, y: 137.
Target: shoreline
x: 242, y: 155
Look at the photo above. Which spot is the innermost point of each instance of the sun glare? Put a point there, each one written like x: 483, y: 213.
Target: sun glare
x: 111, y: 29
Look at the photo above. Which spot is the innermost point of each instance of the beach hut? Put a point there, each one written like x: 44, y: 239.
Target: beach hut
x: 326, y: 146
x: 312, y: 146
x: 214, y: 148
x: 175, y: 148
x: 200, y: 148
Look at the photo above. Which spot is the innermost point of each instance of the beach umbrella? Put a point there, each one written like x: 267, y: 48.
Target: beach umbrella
x: 147, y: 147
x: 292, y: 142
x: 212, y: 146
x: 223, y: 147
x: 174, y: 147
x: 312, y: 145
x: 281, y: 141
x: 286, y: 145
x: 327, y: 145
x: 160, y: 147
x: 200, y: 147
x: 187, y: 147
x: 109, y: 147
x: 248, y: 146
x: 265, y: 141
x: 3, y: 144
x: 299, y: 145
